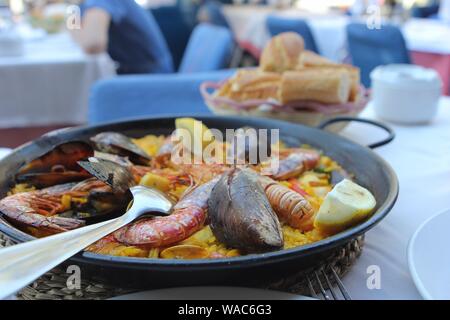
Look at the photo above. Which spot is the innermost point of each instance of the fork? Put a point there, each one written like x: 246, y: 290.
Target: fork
x: 324, y: 281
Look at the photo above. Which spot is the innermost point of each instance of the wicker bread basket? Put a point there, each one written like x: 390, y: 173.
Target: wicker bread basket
x: 271, y: 109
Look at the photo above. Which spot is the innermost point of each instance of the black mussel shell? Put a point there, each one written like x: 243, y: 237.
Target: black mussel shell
x: 58, y: 166
x: 249, y: 146
x: 118, y: 177
x: 44, y: 180
x: 119, y: 144
x: 65, y: 155
x: 240, y: 214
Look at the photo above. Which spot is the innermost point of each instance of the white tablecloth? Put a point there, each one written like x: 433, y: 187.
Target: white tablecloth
x: 249, y: 26
x: 420, y: 155
x: 50, y: 83
x: 427, y: 35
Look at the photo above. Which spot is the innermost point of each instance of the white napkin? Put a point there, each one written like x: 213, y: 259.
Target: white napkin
x: 4, y: 152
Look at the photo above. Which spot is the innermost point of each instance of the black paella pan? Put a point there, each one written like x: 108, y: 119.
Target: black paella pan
x: 369, y: 169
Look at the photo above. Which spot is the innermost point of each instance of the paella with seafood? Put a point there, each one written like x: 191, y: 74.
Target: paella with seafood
x: 221, y: 209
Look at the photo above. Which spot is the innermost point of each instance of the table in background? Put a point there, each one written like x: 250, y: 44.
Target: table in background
x: 50, y: 83
x: 420, y: 156
x: 425, y: 38
x: 429, y: 42
x: 249, y: 27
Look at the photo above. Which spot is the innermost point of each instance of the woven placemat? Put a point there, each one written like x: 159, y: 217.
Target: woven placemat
x: 53, y: 285
x: 340, y: 261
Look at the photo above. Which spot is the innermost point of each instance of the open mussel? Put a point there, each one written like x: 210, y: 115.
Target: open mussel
x: 58, y: 166
x: 117, y: 176
x: 248, y: 145
x: 119, y: 144
x: 99, y: 204
x: 240, y: 213
x: 66, y: 154
x: 43, y: 180
x: 123, y: 161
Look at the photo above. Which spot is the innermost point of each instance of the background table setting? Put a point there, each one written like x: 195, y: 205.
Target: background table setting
x: 48, y: 83
x: 249, y: 26
x: 423, y: 36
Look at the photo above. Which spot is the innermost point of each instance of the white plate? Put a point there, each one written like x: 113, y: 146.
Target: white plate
x: 429, y: 257
x: 211, y: 293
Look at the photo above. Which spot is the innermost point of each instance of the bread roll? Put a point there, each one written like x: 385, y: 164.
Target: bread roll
x: 355, y: 78
x: 249, y: 84
x: 311, y: 59
x: 282, y: 52
x: 354, y: 73
x: 330, y: 86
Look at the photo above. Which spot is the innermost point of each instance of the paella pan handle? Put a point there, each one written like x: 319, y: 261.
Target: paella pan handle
x: 390, y: 131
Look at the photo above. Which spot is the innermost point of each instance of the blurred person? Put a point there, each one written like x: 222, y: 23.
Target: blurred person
x: 189, y: 9
x: 127, y: 32
x: 428, y: 10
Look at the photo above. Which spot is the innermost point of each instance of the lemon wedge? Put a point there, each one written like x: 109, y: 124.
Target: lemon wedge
x: 200, y: 135
x: 344, y: 206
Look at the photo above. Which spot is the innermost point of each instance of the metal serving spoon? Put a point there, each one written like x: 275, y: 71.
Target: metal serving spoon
x: 23, y: 263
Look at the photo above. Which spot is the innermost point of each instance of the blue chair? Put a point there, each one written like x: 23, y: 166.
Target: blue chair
x: 211, y: 12
x: 210, y: 48
x: 370, y: 48
x: 142, y: 95
x: 175, y: 28
x: 277, y: 25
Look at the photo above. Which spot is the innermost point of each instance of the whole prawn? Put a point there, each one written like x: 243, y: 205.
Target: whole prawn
x: 188, y: 217
x: 289, y: 205
x: 39, y: 209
